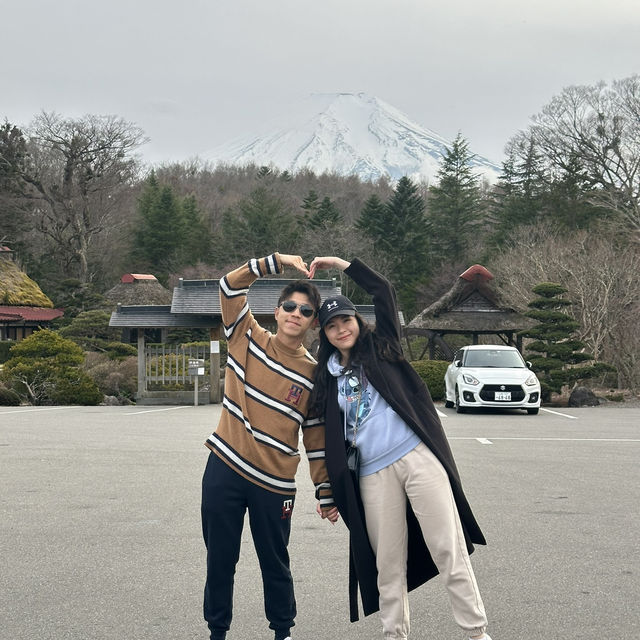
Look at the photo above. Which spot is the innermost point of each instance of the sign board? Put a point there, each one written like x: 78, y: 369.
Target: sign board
x: 196, y: 367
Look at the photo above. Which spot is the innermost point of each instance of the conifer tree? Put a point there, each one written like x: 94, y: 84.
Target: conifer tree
x: 260, y: 225
x: 197, y: 240
x: 161, y: 232
x: 455, y: 205
x: 326, y: 216
x: 556, y: 350
x: 521, y: 192
x: 399, y: 234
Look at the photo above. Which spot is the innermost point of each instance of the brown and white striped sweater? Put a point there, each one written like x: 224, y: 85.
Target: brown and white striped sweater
x: 266, y: 396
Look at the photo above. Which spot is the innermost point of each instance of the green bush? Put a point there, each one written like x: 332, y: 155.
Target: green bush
x: 432, y: 372
x: 45, y: 369
x: 5, y: 345
x: 117, y: 378
x: 8, y: 398
x: 120, y: 350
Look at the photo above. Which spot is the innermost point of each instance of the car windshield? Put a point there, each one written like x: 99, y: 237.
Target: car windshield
x: 493, y: 358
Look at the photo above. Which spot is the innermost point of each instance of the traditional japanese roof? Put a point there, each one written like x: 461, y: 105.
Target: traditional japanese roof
x: 196, y: 303
x: 17, y: 288
x: 158, y: 317
x: 203, y: 296
x: 139, y: 289
x: 20, y: 314
x: 137, y: 277
x: 472, y: 305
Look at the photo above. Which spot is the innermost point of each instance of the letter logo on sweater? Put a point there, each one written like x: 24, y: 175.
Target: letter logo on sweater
x: 287, y: 509
x: 294, y: 395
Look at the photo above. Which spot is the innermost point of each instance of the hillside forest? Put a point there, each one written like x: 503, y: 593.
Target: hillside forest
x: 79, y: 208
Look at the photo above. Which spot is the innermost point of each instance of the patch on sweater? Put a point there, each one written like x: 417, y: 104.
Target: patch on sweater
x: 294, y: 395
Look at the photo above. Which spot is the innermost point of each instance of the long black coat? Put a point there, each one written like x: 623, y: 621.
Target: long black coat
x: 406, y: 393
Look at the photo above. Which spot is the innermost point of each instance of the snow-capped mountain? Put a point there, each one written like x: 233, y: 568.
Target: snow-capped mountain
x: 347, y: 134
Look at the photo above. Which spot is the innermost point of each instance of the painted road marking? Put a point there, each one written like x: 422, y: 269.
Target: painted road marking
x: 31, y: 409
x: 440, y: 413
x: 135, y: 413
x: 557, y: 413
x: 546, y: 439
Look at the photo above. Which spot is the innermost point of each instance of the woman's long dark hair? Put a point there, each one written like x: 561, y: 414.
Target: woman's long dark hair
x: 359, y: 355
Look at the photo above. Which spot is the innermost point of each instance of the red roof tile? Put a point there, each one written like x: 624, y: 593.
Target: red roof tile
x: 29, y: 314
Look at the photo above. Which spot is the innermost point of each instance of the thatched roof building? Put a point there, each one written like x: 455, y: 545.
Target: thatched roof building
x: 472, y: 306
x: 139, y: 289
x: 23, y: 306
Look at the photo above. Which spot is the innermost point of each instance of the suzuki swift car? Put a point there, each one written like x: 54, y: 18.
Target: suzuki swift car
x: 487, y: 375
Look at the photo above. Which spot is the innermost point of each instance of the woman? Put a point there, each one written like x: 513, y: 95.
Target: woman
x: 407, y: 514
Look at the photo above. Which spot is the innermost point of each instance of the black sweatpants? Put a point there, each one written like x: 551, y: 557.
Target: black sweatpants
x: 226, y: 496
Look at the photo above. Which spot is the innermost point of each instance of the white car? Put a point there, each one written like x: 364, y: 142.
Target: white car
x: 489, y: 375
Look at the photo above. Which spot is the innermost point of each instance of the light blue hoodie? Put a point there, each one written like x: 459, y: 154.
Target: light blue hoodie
x: 382, y: 436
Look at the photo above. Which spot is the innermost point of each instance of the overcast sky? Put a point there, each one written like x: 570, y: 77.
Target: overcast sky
x: 195, y: 73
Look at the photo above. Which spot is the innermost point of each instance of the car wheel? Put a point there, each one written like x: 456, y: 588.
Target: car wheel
x: 448, y: 404
x: 459, y: 409
x: 532, y: 412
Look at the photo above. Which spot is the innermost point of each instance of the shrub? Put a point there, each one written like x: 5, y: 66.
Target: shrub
x: 5, y: 345
x: 8, y: 398
x: 44, y: 369
x: 113, y: 377
x: 120, y: 350
x: 432, y: 372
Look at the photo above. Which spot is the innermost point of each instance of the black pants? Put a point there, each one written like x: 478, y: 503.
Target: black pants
x: 226, y: 496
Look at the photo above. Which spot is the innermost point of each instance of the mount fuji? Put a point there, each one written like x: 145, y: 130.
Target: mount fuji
x: 346, y: 134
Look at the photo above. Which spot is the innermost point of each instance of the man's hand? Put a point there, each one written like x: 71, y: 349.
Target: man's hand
x: 332, y: 515
x: 327, y: 262
x: 295, y: 261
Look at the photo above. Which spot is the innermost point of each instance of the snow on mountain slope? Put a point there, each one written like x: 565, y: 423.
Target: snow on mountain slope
x: 347, y: 134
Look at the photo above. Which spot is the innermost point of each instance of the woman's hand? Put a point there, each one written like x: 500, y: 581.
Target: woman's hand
x: 327, y: 262
x: 332, y: 515
x: 295, y: 261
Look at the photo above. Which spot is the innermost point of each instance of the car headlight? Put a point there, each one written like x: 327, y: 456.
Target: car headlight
x: 469, y: 379
x: 531, y: 380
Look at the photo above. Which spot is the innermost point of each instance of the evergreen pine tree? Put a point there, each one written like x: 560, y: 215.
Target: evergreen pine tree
x: 197, y: 240
x: 556, y: 350
x: 398, y: 231
x: 260, y: 225
x: 520, y: 197
x: 372, y: 217
x: 326, y: 216
x: 455, y: 205
x: 160, y: 234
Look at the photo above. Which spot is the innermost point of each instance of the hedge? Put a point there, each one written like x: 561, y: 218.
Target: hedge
x: 432, y: 372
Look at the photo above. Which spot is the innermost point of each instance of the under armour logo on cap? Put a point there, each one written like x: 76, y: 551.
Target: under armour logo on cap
x: 335, y: 306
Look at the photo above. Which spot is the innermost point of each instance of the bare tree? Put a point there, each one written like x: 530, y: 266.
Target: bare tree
x: 600, y: 273
x: 598, y: 127
x: 74, y: 176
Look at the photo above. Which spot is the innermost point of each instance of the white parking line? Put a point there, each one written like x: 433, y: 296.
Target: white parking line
x: 30, y: 409
x: 135, y: 413
x: 557, y: 413
x: 545, y: 439
x: 441, y: 413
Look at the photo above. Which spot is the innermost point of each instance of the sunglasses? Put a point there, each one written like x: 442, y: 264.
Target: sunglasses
x: 290, y: 306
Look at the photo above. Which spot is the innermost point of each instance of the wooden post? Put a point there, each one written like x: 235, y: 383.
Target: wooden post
x: 142, y: 374
x: 214, y: 361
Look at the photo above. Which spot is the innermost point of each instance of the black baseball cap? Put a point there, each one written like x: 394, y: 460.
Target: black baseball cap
x: 335, y: 306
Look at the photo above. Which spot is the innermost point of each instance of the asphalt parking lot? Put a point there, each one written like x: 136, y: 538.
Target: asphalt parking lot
x: 100, y: 532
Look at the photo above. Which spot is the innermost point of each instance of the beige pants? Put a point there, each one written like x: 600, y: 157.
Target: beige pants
x: 420, y: 477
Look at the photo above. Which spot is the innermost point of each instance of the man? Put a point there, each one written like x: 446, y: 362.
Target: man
x: 254, y: 450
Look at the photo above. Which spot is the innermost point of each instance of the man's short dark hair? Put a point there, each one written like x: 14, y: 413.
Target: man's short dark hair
x: 302, y: 286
